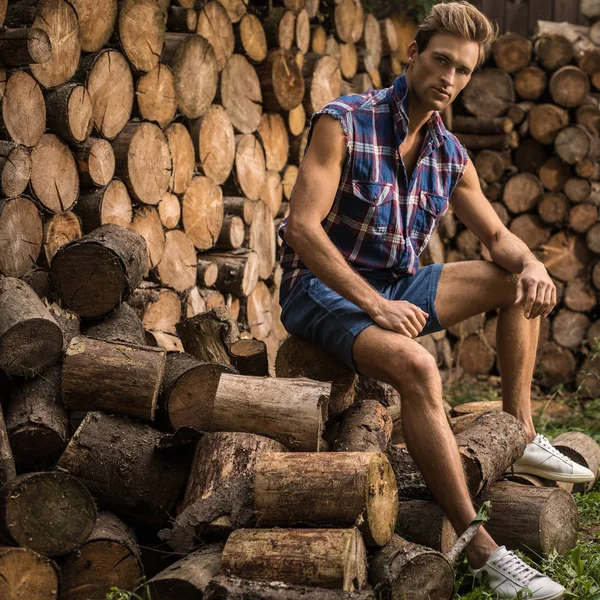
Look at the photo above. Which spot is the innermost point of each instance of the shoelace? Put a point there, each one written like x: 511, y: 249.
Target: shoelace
x: 545, y: 443
x: 512, y: 565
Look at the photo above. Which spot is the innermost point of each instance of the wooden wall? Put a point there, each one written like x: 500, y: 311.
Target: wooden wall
x: 520, y: 16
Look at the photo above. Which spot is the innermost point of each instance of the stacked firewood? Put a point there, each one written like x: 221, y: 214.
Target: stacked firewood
x: 530, y: 119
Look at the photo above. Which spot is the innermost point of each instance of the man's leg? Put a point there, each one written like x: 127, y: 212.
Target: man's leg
x: 405, y: 364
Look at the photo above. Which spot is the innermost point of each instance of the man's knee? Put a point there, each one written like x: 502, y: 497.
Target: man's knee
x: 415, y: 368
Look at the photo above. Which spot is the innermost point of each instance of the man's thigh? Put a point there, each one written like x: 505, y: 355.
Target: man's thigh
x: 469, y: 288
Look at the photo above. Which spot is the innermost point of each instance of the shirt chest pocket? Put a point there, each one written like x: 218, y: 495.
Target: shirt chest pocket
x: 370, y: 210
x: 428, y: 211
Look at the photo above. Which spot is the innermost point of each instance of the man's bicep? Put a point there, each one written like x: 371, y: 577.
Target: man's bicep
x: 319, y: 174
x: 472, y: 207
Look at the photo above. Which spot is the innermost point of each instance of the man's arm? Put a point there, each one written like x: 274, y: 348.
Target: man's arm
x: 535, y: 290
x: 314, y: 193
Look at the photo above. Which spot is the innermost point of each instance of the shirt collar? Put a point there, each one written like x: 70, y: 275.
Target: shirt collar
x: 398, y: 101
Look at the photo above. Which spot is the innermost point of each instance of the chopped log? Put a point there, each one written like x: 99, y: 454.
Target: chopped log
x: 534, y: 520
x: 302, y: 31
x: 141, y: 28
x: 207, y: 273
x: 181, y: 149
x: 21, y: 47
x: 288, y: 180
x: 402, y: 568
x: 569, y: 328
x: 588, y: 167
x: 236, y: 9
x: 261, y: 239
x: 134, y: 479
x: 96, y: 22
x: 20, y: 236
x: 112, y: 376
x: 554, y: 174
x: 545, y: 121
x: 15, y: 169
x: 491, y: 142
x: 581, y: 190
x: 575, y: 143
x: 569, y: 86
x: 592, y: 238
x: 143, y: 161
x: 257, y: 314
x: 95, y: 160
x: 182, y: 20
x: 553, y: 50
x: 364, y: 427
x: 596, y: 275
x: 370, y: 389
x: 8, y: 470
x: 280, y: 27
x: 177, y: 269
x: 214, y: 143
x: 300, y: 478
x: 110, y: 84
x: 590, y: 9
x: 580, y: 296
x: 530, y: 156
x: 219, y: 497
x: 249, y: 357
x: 330, y: 558
x: 251, y: 38
x: 231, y: 235
x: 274, y: 137
x: 215, y: 25
x: 155, y: 95
x: 291, y: 411
x: 531, y: 82
x: 481, y: 125
x: 27, y: 574
x: 273, y: 192
x: 565, y: 256
x: 111, y: 204
x: 555, y: 364
x: 281, y: 80
x: 249, y: 176
x: 553, y: 208
x: 111, y: 260
x: 588, y: 116
x: 202, y: 212
x: 121, y: 325
x: 238, y: 271
x: 53, y: 533
x: 512, y: 52
x: 60, y: 230
x: 489, y: 165
x: 194, y: 65
x: 323, y: 78
x: 189, y: 576
x: 425, y: 523
x: 233, y: 588
x: 531, y: 230
x: 109, y: 557
x: 30, y: 338
x: 582, y: 449
x: 54, y: 177
x: 69, y: 110
x: 522, y: 192
x: 475, y: 356
x: 68, y: 322
x: 300, y: 358
x: 169, y: 210
x: 489, y: 93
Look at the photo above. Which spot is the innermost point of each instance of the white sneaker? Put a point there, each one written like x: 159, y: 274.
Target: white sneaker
x: 541, y: 458
x: 508, y: 575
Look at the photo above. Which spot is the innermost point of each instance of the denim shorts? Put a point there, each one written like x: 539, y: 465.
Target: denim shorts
x: 313, y: 311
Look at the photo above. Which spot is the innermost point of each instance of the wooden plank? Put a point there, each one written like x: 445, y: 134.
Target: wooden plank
x: 495, y: 12
x: 517, y: 18
x: 566, y: 10
x: 539, y: 10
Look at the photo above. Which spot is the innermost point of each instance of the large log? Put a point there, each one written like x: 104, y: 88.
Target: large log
x: 215, y: 25
x: 30, y: 338
x: 123, y: 469
x: 282, y: 81
x: 53, y: 533
x: 111, y: 260
x: 177, y: 269
x: 489, y: 93
x: 330, y: 558
x: 202, y: 212
x: 155, y: 95
x: 553, y: 50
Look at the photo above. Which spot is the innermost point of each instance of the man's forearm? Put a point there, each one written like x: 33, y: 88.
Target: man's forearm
x: 321, y: 256
x: 510, y: 252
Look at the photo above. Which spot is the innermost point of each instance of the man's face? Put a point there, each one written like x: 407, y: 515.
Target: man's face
x: 438, y: 74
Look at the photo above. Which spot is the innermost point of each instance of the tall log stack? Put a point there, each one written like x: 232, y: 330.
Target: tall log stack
x: 148, y: 156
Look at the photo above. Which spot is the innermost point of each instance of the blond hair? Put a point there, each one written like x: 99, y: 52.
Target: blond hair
x: 461, y: 19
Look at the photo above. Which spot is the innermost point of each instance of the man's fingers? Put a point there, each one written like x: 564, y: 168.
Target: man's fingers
x: 414, y: 332
x: 519, y: 291
x: 417, y: 321
x: 540, y: 301
x: 530, y: 295
x: 549, y: 303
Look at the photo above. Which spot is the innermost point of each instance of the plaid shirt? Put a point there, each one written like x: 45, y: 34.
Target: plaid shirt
x: 380, y: 221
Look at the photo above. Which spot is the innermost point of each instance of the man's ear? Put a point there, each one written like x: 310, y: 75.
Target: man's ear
x: 412, y: 52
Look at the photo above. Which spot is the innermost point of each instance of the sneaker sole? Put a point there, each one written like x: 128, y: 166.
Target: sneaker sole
x: 553, y: 476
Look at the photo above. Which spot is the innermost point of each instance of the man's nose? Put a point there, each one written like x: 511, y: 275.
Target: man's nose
x: 448, y: 77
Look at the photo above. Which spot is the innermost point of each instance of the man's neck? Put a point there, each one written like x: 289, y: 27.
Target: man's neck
x: 417, y: 118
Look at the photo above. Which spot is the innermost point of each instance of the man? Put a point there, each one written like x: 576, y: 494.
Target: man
x: 379, y: 171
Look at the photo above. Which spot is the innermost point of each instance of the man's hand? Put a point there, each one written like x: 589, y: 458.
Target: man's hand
x: 535, y: 291
x: 399, y: 316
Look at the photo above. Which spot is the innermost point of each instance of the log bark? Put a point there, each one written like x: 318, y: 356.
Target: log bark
x: 26, y: 522
x: 489, y: 93
x: 327, y: 489
x: 110, y: 204
x: 202, y: 212
x: 403, y: 569
x: 425, y: 523
x: 155, y: 95
x: 70, y: 112
x: 249, y: 357
x: 364, y: 427
x: 30, y: 338
x: 111, y: 260
x: 238, y: 271
x: 121, y: 325
x: 194, y: 67
x: 95, y: 160
x: 215, y: 25
x: 534, y: 520
x: 21, y: 47
x: 300, y: 358
x: 128, y: 475
x: 330, y: 558
x: 27, y: 574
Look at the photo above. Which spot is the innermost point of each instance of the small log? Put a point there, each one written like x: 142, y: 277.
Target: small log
x: 60, y: 230
x: 580, y: 295
x: 492, y: 142
x: 236, y: 9
x: 364, y: 427
x: 273, y: 192
x: 480, y: 125
x: 553, y: 50
x: 261, y: 239
x: 68, y: 322
x: 189, y: 576
x: 215, y: 25
x: 403, y: 569
x: 330, y: 558
x: 202, y: 212
x: 21, y: 47
x: 323, y: 79
x: 251, y: 38
x: 238, y: 271
x: 280, y: 27
x: 207, y: 273
x: 522, y: 192
x: 256, y: 312
x: 15, y: 169
x: 148, y: 224
x: 155, y: 95
x: 7, y: 462
x: 281, y: 80
x: 177, y: 269
x: 23, y: 570
x: 553, y: 208
x: 596, y: 275
x: 95, y: 161
x: 249, y: 357
x: 324, y: 489
x: 554, y: 174
x: 545, y: 121
x: 555, y: 364
x: 582, y: 449
x: 489, y: 93
x: 96, y: 22
x: 534, y: 520
x: 111, y: 204
x: 569, y: 86
x: 181, y: 149
x: 69, y: 110
x: 531, y: 82
x: 169, y: 210
x: 575, y: 143
x: 26, y: 523
x: 289, y: 180
x: 592, y: 238
x: 569, y: 328
x: 300, y: 358
x: 30, y: 338
x: 512, y: 52
x: 274, y: 137
x: 120, y: 325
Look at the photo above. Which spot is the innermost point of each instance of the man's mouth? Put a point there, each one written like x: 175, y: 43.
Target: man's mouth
x: 442, y: 92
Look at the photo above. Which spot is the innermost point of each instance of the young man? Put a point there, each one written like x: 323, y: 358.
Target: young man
x: 379, y: 171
